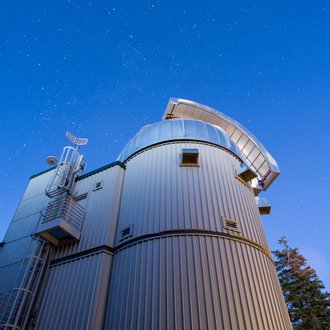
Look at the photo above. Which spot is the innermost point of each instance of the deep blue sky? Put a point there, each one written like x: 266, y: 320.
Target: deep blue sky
x: 103, y: 69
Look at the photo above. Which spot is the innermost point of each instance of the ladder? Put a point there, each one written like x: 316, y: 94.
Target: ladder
x: 70, y: 165
x: 15, y: 305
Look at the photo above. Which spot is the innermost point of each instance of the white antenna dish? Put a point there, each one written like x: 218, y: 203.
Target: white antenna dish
x: 75, y: 140
x: 51, y: 160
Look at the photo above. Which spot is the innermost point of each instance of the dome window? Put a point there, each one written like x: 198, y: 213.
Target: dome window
x: 189, y: 157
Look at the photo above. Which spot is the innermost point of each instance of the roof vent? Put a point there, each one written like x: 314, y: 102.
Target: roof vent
x: 126, y: 232
x: 230, y: 224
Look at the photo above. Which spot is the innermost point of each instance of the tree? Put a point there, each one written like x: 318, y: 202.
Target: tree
x: 308, y: 304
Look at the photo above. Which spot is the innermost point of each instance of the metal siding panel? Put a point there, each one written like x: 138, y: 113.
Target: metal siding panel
x: 30, y: 206
x: 243, y: 287
x: 15, y: 251
x: 18, y: 236
x: 100, y: 222
x: 257, y: 289
x: 259, y: 161
x: 268, y: 295
x: 22, y: 227
x: 242, y: 141
x: 197, y: 282
x: 8, y: 278
x: 38, y: 185
x: 236, y: 135
x: 73, y: 292
x: 160, y: 195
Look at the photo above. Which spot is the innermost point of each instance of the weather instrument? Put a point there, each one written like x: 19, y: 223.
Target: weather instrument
x: 76, y: 140
x: 51, y: 160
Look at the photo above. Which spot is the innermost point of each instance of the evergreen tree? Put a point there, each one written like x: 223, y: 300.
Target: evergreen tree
x: 308, y: 304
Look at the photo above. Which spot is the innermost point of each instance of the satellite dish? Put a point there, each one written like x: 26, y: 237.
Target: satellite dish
x: 51, y: 160
x: 77, y: 141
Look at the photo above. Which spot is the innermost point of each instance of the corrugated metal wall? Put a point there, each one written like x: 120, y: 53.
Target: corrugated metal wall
x: 74, y: 279
x: 18, y: 237
x: 168, y: 279
x: 101, y: 207
x: 159, y: 195
x: 75, y: 290
x: 194, y: 282
x: 75, y: 295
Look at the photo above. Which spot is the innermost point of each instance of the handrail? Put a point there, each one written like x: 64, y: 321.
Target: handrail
x: 66, y: 208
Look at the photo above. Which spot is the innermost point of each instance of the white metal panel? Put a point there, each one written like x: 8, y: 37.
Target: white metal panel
x: 38, y: 184
x: 101, y: 207
x: 75, y: 295
x: 14, y: 251
x: 8, y: 278
x: 33, y: 205
x: 159, y: 195
x: 194, y: 282
x: 22, y: 227
x: 18, y: 237
x: 178, y: 129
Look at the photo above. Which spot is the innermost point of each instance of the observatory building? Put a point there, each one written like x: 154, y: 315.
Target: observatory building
x: 168, y: 236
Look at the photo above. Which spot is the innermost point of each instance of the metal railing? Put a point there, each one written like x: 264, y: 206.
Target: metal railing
x: 70, y: 164
x: 64, y: 208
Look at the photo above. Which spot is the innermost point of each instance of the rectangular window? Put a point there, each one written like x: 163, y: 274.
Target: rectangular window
x: 98, y: 185
x: 189, y: 157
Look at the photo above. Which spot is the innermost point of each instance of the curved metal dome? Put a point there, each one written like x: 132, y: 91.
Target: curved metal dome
x: 178, y: 129
x: 254, y: 153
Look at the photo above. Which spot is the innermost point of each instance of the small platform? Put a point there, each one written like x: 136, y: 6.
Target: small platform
x: 62, y: 220
x: 263, y: 205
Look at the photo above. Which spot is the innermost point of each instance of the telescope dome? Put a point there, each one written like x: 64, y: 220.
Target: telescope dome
x: 181, y: 130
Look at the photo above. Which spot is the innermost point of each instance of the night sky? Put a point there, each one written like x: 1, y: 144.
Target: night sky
x: 104, y: 69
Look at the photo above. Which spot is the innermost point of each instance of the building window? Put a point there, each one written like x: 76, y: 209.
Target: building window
x: 189, y: 157
x: 98, y: 185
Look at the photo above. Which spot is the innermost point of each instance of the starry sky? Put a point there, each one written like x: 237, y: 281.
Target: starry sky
x: 104, y: 69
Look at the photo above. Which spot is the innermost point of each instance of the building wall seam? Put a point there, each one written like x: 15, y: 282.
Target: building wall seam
x: 84, y: 254
x: 159, y: 144
x: 193, y: 232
